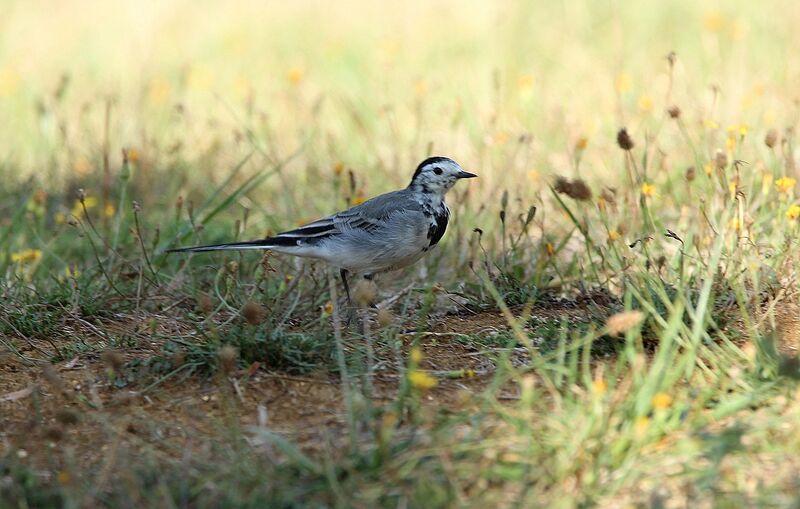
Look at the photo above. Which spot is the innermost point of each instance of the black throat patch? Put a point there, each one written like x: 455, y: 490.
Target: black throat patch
x: 437, y: 229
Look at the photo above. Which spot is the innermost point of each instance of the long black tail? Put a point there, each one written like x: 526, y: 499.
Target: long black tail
x: 269, y: 243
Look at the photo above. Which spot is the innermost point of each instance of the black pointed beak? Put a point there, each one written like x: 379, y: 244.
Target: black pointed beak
x: 465, y: 175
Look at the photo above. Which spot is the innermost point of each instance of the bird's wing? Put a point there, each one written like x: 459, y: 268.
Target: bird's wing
x: 368, y: 216
x: 364, y: 219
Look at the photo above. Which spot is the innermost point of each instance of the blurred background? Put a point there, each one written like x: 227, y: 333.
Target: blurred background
x: 373, y: 84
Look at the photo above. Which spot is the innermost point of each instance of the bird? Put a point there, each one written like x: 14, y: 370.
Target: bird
x: 388, y: 232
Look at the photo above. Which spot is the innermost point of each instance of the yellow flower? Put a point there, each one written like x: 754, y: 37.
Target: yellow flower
x: 295, y: 75
x: 582, y: 142
x: 641, y: 425
x: 90, y: 202
x: 648, y: 190
x: 785, y: 184
x: 708, y: 168
x: 133, y: 155
x: 501, y: 137
x: 109, y: 210
x: 359, y: 198
x: 328, y: 308
x: 64, y: 477
x: 534, y: 176
x: 416, y: 355
x: 421, y: 380
x: 549, y: 249
x: 646, y: 103
x: 730, y: 144
x: 69, y: 272
x: 525, y: 83
x: 623, y: 82
x: 338, y: 168
x: 613, y: 235
x: 794, y: 212
x: 732, y: 187
x: 27, y: 256
x: 599, y: 386
x: 713, y: 21
x: 421, y: 88
x: 661, y: 401
x: 735, y: 224
x: 159, y: 91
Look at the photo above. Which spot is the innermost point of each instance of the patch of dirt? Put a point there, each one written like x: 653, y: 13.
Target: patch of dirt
x: 38, y: 406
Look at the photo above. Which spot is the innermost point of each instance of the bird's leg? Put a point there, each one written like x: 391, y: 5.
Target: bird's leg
x: 351, y: 310
x: 370, y: 277
x: 343, y: 274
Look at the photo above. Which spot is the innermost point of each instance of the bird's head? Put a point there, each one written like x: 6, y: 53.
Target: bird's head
x: 437, y: 175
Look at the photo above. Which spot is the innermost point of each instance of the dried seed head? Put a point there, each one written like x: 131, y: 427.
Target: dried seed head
x: 81, y: 195
x: 563, y: 185
x: 771, y: 138
x: 721, y: 160
x: 671, y: 58
x: 609, y: 194
x: 691, y: 173
x: 67, y: 416
x: 112, y: 359
x: 576, y: 189
x: 623, y: 322
x: 227, y: 358
x: 385, y: 318
x: 253, y: 312
x: 581, y: 191
x: 674, y: 112
x: 53, y: 434
x: 205, y: 303
x: 624, y: 139
x: 365, y: 293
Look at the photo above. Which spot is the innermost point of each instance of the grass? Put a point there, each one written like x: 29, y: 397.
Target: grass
x: 610, y: 320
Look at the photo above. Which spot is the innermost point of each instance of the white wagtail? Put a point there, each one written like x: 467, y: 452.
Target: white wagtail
x: 388, y: 232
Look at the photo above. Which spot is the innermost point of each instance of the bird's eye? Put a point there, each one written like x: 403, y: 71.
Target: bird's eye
x: 437, y: 171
